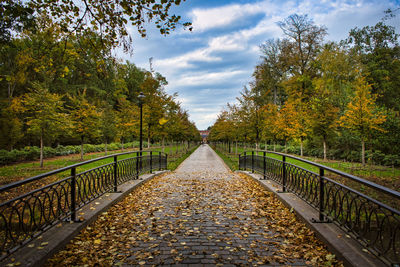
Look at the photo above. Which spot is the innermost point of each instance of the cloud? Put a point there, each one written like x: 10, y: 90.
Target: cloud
x: 207, y: 78
x: 218, y: 17
x: 185, y: 60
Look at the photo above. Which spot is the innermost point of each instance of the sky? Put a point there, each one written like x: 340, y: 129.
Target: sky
x: 210, y: 65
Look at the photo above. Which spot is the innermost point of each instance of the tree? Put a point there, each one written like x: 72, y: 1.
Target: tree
x: 85, y: 119
x: 379, y: 51
x: 108, y: 128
x: 324, y: 118
x: 269, y: 74
x: 270, y: 131
x: 15, y: 16
x: 127, y: 120
x: 300, y: 49
x: 363, y: 115
x: 332, y: 89
x: 109, y: 19
x: 45, y: 115
x: 11, y: 125
x: 251, y: 113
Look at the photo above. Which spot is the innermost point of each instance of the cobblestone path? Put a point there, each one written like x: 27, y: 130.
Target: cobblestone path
x: 200, y: 215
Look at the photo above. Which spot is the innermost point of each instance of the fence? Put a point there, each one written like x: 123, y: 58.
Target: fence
x: 28, y: 215
x: 375, y: 224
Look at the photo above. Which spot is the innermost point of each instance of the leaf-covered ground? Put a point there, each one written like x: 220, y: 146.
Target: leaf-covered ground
x: 196, y: 217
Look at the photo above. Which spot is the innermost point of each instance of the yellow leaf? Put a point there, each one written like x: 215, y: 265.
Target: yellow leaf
x: 97, y: 242
x: 162, y: 121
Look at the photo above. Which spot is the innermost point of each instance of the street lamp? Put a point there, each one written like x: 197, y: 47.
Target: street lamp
x: 141, y: 97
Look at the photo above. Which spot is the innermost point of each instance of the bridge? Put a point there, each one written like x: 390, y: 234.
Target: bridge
x: 130, y: 212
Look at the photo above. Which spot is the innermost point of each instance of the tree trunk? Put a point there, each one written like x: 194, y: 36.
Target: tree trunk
x: 363, y: 152
x: 301, y: 146
x: 274, y: 146
x: 236, y: 147
x: 41, y: 149
x: 122, y: 144
x: 148, y: 142
x: 82, y: 148
x: 324, y: 143
x: 105, y: 148
x: 163, y: 145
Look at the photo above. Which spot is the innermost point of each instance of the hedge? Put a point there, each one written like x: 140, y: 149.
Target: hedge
x: 33, y: 152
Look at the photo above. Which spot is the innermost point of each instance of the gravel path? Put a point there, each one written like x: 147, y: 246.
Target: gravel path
x: 200, y: 215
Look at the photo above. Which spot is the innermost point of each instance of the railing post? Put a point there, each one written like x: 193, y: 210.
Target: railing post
x: 252, y: 161
x: 283, y: 173
x: 245, y: 159
x: 137, y: 165
x: 166, y: 161
x: 115, y: 173
x: 151, y: 161
x: 264, y: 166
x: 321, y: 194
x: 73, y: 194
x: 159, y: 161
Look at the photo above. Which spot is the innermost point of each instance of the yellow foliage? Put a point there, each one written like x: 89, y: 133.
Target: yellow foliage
x: 362, y: 114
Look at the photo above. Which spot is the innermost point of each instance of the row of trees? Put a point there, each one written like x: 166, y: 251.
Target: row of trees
x: 59, y: 87
x: 321, y: 95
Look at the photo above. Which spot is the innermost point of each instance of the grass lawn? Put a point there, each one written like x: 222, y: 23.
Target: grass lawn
x: 386, y: 176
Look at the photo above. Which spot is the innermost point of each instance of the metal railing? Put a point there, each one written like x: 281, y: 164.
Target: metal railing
x: 374, y: 223
x: 27, y: 216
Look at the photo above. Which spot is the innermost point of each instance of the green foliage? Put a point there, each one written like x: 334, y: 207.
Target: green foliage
x: 30, y: 153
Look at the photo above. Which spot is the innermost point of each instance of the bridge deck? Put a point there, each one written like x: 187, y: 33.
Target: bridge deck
x: 201, y: 214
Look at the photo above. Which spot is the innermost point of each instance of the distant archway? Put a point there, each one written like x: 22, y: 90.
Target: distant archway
x: 204, y: 134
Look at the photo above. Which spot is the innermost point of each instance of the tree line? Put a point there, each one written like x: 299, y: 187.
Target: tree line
x: 62, y: 86
x: 331, y: 99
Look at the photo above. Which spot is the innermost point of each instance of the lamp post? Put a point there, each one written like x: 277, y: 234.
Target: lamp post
x: 141, y: 97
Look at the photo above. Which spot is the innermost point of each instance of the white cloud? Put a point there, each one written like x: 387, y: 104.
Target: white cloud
x: 185, y: 60
x: 205, y: 19
x: 195, y: 79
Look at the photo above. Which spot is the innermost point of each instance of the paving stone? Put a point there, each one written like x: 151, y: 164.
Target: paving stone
x: 199, y: 217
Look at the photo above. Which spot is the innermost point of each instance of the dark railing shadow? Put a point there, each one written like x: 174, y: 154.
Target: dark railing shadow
x: 367, y: 211
x: 27, y: 216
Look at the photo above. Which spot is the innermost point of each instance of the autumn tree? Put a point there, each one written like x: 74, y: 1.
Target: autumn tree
x: 127, y: 120
x: 109, y: 19
x: 108, y: 129
x: 300, y: 48
x: 332, y: 88
x: 85, y: 118
x: 363, y: 115
x: 269, y: 74
x: 45, y: 117
x: 270, y: 132
x: 251, y: 113
x: 379, y: 50
x: 11, y: 124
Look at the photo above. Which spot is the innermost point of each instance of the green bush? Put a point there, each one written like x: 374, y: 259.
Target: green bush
x: 33, y: 152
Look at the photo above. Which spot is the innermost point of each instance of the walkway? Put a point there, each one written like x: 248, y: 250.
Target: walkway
x: 201, y: 214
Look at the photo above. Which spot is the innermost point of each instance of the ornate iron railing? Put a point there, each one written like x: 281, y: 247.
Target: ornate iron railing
x: 347, y: 200
x: 24, y: 217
